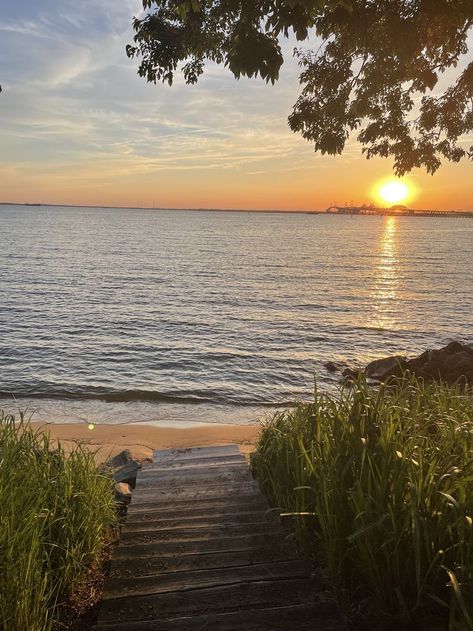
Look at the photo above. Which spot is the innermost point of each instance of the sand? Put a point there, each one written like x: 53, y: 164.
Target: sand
x: 140, y: 440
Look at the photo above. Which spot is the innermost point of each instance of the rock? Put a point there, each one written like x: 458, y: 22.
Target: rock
x: 124, y: 467
x: 451, y: 364
x: 332, y: 366
x: 460, y: 365
x: 382, y: 369
x: 123, y: 492
x: 453, y: 347
x: 127, y: 473
x: 351, y: 374
x: 120, y: 459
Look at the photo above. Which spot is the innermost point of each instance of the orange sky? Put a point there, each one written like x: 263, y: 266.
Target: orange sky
x: 79, y: 127
x: 315, y: 184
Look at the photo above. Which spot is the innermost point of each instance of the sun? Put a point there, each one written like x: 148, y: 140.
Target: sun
x: 393, y: 192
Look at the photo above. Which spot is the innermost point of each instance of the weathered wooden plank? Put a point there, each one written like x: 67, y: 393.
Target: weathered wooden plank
x: 216, y: 599
x: 199, y: 544
x: 154, y: 520
x: 194, y: 491
x: 320, y: 617
x: 180, y: 472
x: 197, y: 472
x: 190, y: 534
x: 186, y: 478
x: 193, y: 470
x: 146, y: 566
x: 234, y: 502
x: 190, y: 486
x: 196, y: 463
x: 185, y: 580
x: 166, y: 455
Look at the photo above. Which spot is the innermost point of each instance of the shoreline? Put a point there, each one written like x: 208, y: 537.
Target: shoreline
x: 140, y: 439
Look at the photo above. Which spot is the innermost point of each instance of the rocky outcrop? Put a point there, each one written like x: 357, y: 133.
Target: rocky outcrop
x: 392, y: 366
x: 351, y: 374
x: 451, y: 364
x: 119, y: 460
x: 124, y: 468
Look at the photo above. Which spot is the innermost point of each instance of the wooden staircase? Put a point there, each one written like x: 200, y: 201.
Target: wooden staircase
x: 202, y: 551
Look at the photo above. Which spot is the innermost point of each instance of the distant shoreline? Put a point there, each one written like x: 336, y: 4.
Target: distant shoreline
x: 216, y: 210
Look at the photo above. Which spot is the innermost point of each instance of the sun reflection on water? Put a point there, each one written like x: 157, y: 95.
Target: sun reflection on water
x: 386, y: 278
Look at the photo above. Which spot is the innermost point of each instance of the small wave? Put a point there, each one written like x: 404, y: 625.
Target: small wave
x: 144, y: 396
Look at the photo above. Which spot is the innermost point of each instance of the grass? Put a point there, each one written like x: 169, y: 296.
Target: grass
x: 380, y: 485
x: 57, y: 513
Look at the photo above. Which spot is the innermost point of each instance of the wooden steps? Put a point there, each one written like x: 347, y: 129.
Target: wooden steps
x: 201, y: 549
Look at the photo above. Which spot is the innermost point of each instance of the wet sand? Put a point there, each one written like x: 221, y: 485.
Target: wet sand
x: 140, y: 440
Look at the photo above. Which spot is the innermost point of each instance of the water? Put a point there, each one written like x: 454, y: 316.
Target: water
x: 119, y: 315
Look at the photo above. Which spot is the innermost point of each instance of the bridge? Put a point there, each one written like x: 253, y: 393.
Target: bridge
x: 396, y: 211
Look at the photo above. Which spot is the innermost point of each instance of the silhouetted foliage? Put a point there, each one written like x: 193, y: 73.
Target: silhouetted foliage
x: 375, y: 70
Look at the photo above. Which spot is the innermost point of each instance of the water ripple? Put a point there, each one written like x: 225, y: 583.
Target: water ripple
x: 145, y: 310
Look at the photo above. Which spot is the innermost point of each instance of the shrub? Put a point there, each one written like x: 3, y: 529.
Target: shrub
x: 57, y: 512
x: 381, y: 484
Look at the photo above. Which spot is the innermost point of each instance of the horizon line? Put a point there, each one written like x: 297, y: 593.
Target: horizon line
x: 235, y: 210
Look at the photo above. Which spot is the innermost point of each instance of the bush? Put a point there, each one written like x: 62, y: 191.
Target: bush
x: 381, y: 484
x: 57, y: 512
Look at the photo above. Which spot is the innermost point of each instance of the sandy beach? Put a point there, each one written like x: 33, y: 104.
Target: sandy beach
x: 140, y: 440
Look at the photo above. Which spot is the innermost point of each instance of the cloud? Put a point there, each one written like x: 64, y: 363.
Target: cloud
x: 75, y: 94
x: 76, y: 117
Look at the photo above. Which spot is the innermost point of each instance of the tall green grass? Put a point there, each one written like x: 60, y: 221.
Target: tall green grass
x: 57, y: 512
x: 381, y: 484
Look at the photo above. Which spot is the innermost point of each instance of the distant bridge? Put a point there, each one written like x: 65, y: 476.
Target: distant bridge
x: 395, y: 211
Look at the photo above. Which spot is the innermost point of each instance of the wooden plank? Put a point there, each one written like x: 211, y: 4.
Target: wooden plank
x: 162, y: 472
x: 190, y: 486
x: 166, y: 455
x: 185, y: 580
x: 190, y: 534
x: 199, y: 544
x: 186, y: 478
x: 216, y: 599
x: 195, y: 463
x: 168, y: 505
x: 194, y: 492
x: 153, y: 520
x: 146, y: 566
x: 320, y: 617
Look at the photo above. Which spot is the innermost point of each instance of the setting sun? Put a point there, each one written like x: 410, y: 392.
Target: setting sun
x: 393, y: 192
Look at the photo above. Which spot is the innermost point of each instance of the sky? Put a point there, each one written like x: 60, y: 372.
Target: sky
x: 78, y: 126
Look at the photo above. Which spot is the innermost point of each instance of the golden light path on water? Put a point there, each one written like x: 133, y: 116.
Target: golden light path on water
x: 386, y: 279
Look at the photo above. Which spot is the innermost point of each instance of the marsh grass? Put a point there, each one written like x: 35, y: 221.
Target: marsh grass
x: 381, y: 484
x: 57, y: 512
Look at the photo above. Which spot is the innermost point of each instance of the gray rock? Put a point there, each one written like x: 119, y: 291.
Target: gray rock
x: 127, y: 473
x: 120, y: 459
x: 451, y: 364
x: 350, y: 374
x: 382, y: 369
x: 124, y: 468
x: 123, y: 492
x: 331, y: 366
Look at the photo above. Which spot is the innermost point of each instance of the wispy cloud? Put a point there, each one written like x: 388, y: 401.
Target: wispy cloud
x: 78, y: 121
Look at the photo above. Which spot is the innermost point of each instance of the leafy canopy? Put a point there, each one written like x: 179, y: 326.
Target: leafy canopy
x: 376, y: 69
